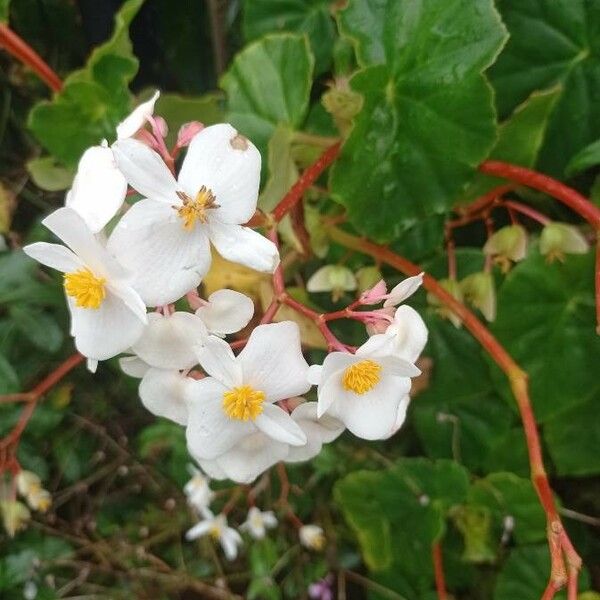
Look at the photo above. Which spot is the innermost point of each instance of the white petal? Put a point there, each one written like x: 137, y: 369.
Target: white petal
x: 131, y: 124
x: 227, y: 311
x: 67, y: 225
x: 401, y: 415
x: 165, y: 260
x: 209, y: 431
x: 331, y: 277
x: 272, y: 361
x: 163, y: 394
x: 244, y: 246
x: 146, y: 171
x: 199, y: 529
x: 410, y: 333
x: 404, y: 290
x: 92, y: 365
x: 212, y: 469
x: 99, y: 188
x: 168, y: 341
x: 278, y: 424
x: 130, y: 298
x: 133, y: 366
x: 232, y: 174
x: 218, y: 360
x: 54, y: 256
x: 250, y: 457
x: 333, y: 366
x: 103, y: 332
x: 229, y: 543
x: 314, y: 374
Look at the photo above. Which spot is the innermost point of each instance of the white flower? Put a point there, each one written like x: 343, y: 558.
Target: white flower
x: 405, y: 337
x: 107, y: 315
x: 226, y: 311
x: 27, y: 482
x: 363, y: 390
x: 318, y: 432
x: 404, y: 290
x: 247, y: 459
x: 238, y: 398
x: 312, y: 537
x: 99, y: 188
x: 131, y: 124
x: 197, y: 490
x: 218, y: 529
x: 163, y: 393
x: 133, y: 366
x: 165, y: 238
x: 168, y: 341
x: 257, y: 522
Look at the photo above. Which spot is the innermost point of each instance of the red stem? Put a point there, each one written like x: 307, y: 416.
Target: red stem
x: 18, y: 48
x: 438, y: 571
x: 305, y: 180
x: 527, y: 211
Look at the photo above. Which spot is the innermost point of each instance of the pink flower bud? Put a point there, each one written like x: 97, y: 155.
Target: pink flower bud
x: 379, y: 325
x: 375, y: 294
x: 187, y: 131
x: 161, y: 126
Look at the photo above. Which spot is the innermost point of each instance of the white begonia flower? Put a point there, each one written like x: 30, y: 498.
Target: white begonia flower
x: 238, y: 398
x: 405, y: 337
x: 134, y: 366
x: 247, y: 459
x: 39, y: 500
x: 363, y: 390
x: 318, y: 431
x: 168, y: 341
x: 400, y: 416
x: 406, y: 288
x: 27, y: 482
x: 131, y: 124
x: 163, y: 393
x: 165, y: 238
x: 99, y: 188
x: 219, y: 531
x: 257, y: 522
x: 107, y: 314
x: 312, y: 537
x: 226, y: 311
x: 197, y: 490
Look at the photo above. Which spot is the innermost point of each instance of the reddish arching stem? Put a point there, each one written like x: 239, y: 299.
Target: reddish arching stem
x: 438, y: 571
x: 519, y: 383
x: 484, y: 202
x: 526, y: 210
x: 28, y: 56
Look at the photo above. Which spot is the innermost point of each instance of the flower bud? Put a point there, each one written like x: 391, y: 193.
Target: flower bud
x: 478, y: 289
x: 507, y: 245
x: 342, y: 103
x: 187, y: 131
x: 27, y: 483
x: 558, y: 239
x: 332, y: 278
x: 15, y: 516
x: 453, y: 287
x: 312, y: 537
x: 370, y: 277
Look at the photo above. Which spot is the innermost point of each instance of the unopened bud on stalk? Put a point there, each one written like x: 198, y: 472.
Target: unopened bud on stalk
x: 507, y: 245
x: 342, y: 103
x: 478, y: 289
x: 15, y: 516
x: 368, y: 277
x: 558, y: 239
x: 187, y: 131
x: 332, y: 278
x: 452, y: 287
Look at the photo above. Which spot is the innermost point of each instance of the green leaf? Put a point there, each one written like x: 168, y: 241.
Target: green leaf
x: 93, y: 99
x: 458, y: 414
x: 519, y: 139
x: 553, y: 41
x: 312, y: 17
x: 38, y: 327
x: 427, y: 119
x: 268, y: 84
x: 49, y: 175
x: 9, y: 380
x: 584, y: 159
x: 4, y: 7
x: 546, y: 321
x: 573, y: 439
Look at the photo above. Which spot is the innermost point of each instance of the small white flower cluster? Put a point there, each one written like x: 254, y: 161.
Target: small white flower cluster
x: 243, y: 413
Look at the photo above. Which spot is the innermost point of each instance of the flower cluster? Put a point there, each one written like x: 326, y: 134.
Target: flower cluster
x: 244, y: 412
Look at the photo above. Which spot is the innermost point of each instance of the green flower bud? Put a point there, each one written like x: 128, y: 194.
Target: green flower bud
x: 507, y: 245
x: 478, y: 289
x: 343, y: 104
x: 453, y: 287
x: 15, y: 516
x: 558, y: 239
x: 332, y: 278
x: 367, y: 277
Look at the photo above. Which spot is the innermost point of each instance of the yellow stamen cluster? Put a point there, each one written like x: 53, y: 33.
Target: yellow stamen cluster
x: 215, y: 533
x: 243, y: 403
x: 361, y: 377
x: 87, y: 289
x: 195, y: 210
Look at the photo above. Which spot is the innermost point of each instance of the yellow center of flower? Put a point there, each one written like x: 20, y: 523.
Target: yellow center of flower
x: 243, y: 403
x: 193, y: 210
x: 361, y: 377
x: 215, y: 533
x: 87, y: 289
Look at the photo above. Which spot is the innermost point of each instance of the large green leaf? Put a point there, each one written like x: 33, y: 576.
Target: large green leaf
x: 553, y: 41
x: 427, y: 119
x: 585, y: 159
x: 268, y: 84
x: 4, y: 6
x: 93, y: 99
x: 312, y: 17
x: 546, y: 321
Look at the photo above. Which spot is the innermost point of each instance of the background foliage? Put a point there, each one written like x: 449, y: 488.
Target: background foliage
x: 423, y: 91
